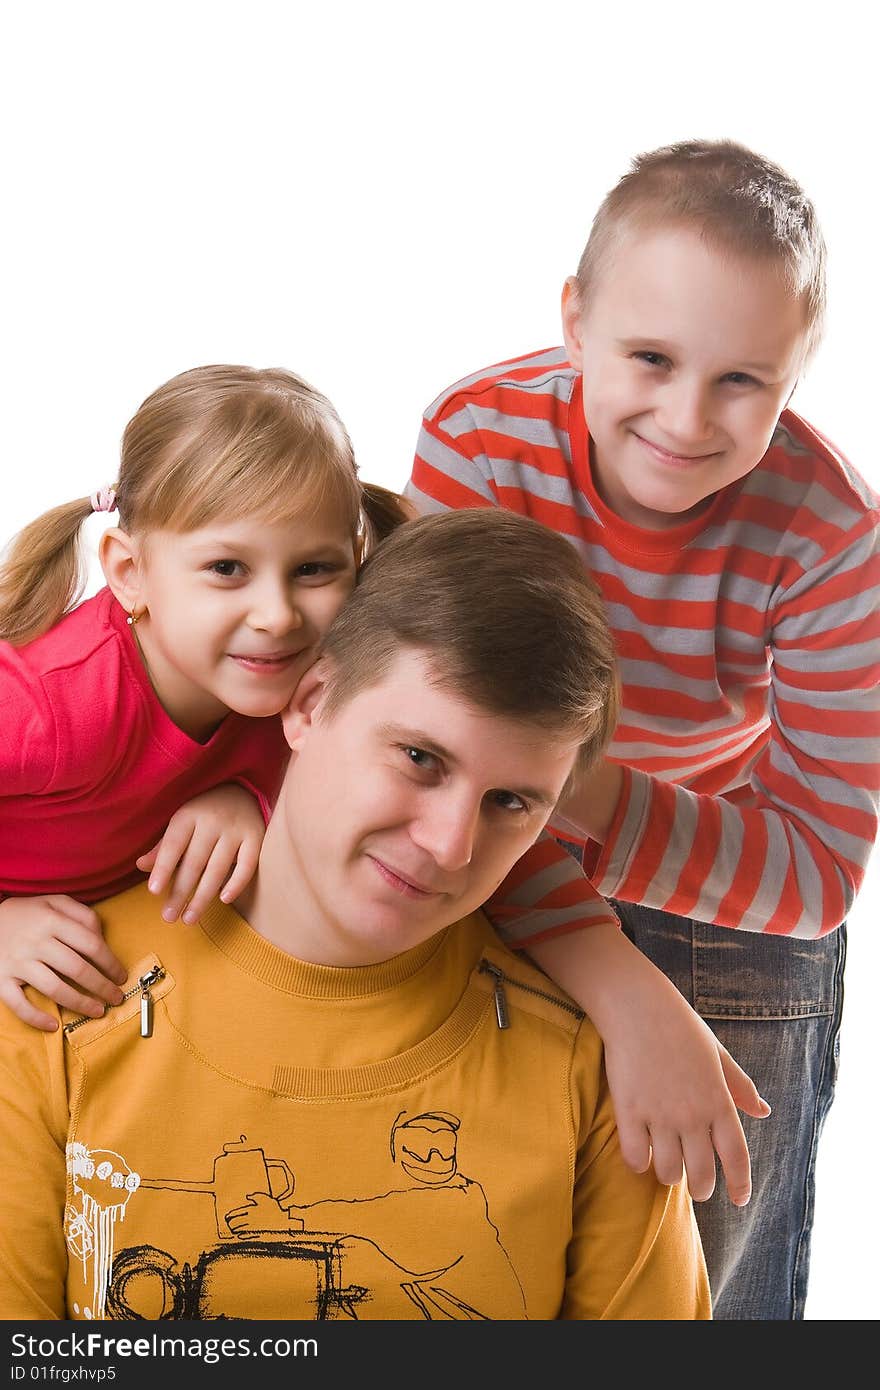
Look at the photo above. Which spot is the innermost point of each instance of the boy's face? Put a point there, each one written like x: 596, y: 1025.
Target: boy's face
x: 688, y: 354
x: 401, y: 812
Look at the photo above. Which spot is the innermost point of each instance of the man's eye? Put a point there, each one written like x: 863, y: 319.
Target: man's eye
x: 509, y: 801
x: 226, y: 569
x: 425, y: 762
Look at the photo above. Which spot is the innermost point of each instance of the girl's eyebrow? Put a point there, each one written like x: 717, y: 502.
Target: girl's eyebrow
x: 230, y: 542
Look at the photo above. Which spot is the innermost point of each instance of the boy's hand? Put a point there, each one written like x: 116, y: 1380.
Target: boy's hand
x: 211, y: 844
x: 675, y: 1089
x: 55, y: 944
x: 676, y: 1092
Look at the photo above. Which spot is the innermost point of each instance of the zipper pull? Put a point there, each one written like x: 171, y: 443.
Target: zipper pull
x: 501, y: 1015
x: 147, y: 1000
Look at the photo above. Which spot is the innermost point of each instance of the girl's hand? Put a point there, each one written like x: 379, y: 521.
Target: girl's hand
x: 55, y: 944
x: 211, y: 844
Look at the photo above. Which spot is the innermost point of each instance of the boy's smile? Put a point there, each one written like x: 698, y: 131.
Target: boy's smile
x: 689, y: 354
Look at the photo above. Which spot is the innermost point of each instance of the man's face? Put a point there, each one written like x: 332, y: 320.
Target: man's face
x: 688, y: 354
x: 401, y: 813
x: 235, y: 610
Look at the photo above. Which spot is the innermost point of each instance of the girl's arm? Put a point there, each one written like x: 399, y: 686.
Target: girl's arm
x: 55, y: 944
x: 211, y: 848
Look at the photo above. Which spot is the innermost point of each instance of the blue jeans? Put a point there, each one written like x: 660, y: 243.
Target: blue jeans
x: 775, y: 1003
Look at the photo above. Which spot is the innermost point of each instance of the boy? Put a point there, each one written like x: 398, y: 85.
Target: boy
x: 737, y: 555
x: 345, y: 1099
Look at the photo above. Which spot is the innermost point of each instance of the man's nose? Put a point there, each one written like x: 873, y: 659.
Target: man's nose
x: 447, y: 829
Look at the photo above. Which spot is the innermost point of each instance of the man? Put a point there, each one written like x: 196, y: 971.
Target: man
x: 345, y: 1098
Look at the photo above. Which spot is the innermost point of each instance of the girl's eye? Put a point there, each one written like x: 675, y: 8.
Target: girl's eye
x: 741, y: 379
x: 652, y: 359
x: 509, y: 801
x: 315, y: 569
x: 226, y: 569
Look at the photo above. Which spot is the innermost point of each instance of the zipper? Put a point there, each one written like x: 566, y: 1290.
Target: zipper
x: 152, y: 977
x: 499, y: 980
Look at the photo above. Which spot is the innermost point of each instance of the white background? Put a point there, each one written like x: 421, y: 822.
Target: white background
x: 385, y: 197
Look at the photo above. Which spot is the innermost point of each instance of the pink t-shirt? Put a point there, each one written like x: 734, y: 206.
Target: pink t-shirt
x: 91, y: 766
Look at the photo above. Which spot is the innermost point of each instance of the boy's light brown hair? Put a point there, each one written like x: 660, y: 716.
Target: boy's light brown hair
x: 504, y: 611
x: 737, y: 199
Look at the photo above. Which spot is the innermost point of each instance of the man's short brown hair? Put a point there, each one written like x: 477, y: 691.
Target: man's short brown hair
x: 503, y: 609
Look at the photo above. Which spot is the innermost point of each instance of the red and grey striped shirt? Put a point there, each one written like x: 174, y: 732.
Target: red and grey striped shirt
x: 749, y: 648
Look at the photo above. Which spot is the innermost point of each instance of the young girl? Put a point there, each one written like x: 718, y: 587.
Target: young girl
x: 241, y: 522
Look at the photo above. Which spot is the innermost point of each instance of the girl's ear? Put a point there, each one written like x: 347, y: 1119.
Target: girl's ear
x: 297, y: 718
x: 119, y: 556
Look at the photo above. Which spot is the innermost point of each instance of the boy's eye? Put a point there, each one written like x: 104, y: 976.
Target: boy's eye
x: 652, y: 359
x: 741, y: 379
x: 226, y: 569
x: 508, y: 801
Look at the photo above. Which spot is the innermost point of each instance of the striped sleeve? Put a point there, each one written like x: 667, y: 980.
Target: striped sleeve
x: 545, y: 895
x: 790, y: 857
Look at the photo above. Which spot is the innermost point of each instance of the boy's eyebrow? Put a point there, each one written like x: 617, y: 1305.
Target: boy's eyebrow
x: 416, y: 738
x: 648, y: 343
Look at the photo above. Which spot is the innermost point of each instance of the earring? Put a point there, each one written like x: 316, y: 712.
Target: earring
x: 133, y: 617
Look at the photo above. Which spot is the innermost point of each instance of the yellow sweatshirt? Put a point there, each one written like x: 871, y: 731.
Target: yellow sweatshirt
x: 298, y: 1141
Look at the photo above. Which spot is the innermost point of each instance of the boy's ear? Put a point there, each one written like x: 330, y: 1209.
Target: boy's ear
x: 297, y: 718
x: 572, y: 312
x: 119, y: 556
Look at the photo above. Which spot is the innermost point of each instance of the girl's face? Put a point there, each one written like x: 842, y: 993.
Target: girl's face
x: 231, y: 614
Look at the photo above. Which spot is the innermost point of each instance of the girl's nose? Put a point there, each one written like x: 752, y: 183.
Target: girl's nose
x: 275, y: 611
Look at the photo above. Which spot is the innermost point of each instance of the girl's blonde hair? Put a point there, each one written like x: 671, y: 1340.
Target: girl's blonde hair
x: 212, y: 442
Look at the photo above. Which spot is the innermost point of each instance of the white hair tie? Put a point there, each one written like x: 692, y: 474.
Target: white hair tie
x: 104, y: 500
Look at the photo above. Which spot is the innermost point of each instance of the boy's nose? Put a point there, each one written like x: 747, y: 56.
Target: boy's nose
x: 685, y: 415
x: 447, y: 830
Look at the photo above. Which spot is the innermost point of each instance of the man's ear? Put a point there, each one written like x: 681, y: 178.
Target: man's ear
x: 119, y: 556
x: 572, y: 313
x: 297, y: 718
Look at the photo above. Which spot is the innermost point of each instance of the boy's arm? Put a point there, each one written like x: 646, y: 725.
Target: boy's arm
x: 33, y: 1134
x: 788, y: 854
x: 635, y: 1252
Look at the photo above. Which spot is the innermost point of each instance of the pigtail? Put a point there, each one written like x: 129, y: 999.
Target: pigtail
x: 382, y: 512
x: 43, y: 573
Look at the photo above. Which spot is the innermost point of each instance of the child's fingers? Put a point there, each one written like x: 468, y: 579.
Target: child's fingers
x: 733, y: 1151
x: 145, y: 862
x: 75, y: 911
x: 209, y: 885
x: 699, y: 1163
x: 635, y: 1144
x: 668, y: 1159
x: 77, y: 972
x: 245, y: 868
x: 744, y: 1092
x: 15, y: 999
x: 170, y: 851
x: 189, y: 871
x: 87, y: 943
x: 44, y: 978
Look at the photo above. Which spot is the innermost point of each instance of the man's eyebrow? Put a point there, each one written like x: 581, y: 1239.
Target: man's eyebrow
x: 415, y: 738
